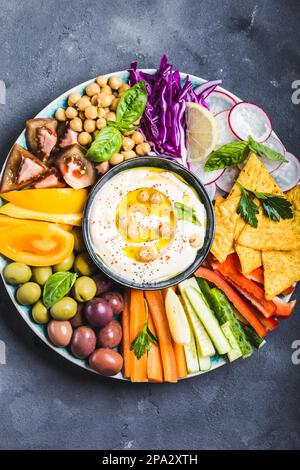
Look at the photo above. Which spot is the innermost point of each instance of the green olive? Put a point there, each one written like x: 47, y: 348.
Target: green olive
x: 40, y: 313
x: 65, y: 265
x: 84, y: 289
x: 84, y: 265
x: 29, y: 293
x: 64, y: 309
x: 17, y: 273
x: 79, y: 245
x: 41, y: 274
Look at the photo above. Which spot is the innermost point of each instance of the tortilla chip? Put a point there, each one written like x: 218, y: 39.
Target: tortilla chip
x: 255, y: 177
x: 270, y: 235
x: 226, y: 217
x: 281, y: 270
x: 250, y: 259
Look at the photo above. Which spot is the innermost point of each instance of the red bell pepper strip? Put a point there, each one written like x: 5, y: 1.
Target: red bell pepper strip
x: 257, y: 275
x: 283, y: 309
x: 252, y: 291
x: 270, y: 323
x: 239, y: 304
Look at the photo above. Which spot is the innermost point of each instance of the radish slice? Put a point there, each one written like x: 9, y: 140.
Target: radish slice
x: 227, y: 180
x: 224, y: 133
x: 249, y: 119
x: 288, y: 175
x: 219, y: 101
x: 206, y: 177
x: 211, y: 190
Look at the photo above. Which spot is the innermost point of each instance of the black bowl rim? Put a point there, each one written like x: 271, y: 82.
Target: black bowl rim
x: 167, y: 164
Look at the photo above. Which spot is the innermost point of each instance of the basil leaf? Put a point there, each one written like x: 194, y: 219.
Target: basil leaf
x: 57, y: 286
x: 184, y: 212
x: 227, y: 155
x: 265, y: 151
x: 108, y: 141
x: 131, y: 105
x: 122, y: 128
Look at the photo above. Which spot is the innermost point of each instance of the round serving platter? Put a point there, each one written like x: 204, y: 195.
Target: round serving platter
x: 24, y: 311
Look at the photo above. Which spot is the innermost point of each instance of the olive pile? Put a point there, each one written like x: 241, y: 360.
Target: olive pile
x: 84, y: 319
x: 89, y: 113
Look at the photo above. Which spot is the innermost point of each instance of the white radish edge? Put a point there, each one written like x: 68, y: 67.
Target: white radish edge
x: 211, y: 190
x: 229, y: 100
x: 231, y: 116
x: 206, y: 177
x: 227, y: 180
x: 222, y: 117
x: 281, y: 173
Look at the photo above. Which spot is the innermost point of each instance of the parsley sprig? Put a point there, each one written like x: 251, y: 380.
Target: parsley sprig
x: 141, y: 343
x: 275, y: 207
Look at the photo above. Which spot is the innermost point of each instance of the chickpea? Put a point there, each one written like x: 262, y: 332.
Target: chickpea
x: 83, y: 103
x: 195, y: 240
x: 116, y: 159
x: 133, y: 231
x: 105, y: 100
x: 147, y: 254
x: 92, y: 89
x: 143, y: 149
x: 137, y: 122
x: 128, y: 154
x: 89, y: 125
x: 94, y: 100
x: 127, y: 143
x: 101, y: 112
x: 71, y: 112
x: 115, y: 82
x: 91, y: 112
x: 137, y: 137
x: 165, y: 231
x: 123, y: 88
x: 114, y: 104
x: 111, y: 116
x: 84, y: 138
x: 76, y: 124
x: 128, y: 133
x: 123, y: 221
x: 73, y: 98
x: 156, y: 198
x: 100, y: 123
x: 143, y: 196
x: 101, y: 80
x: 81, y: 115
x: 60, y: 114
x: 141, y: 208
x: 106, y: 90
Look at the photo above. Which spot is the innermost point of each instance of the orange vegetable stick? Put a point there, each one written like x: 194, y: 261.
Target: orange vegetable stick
x: 126, y: 334
x: 154, y: 364
x: 156, y: 306
x: 180, y: 360
x: 138, y: 316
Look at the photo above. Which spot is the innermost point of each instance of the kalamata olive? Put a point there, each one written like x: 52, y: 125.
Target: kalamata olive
x: 79, y: 318
x: 110, y: 335
x: 98, y: 312
x: 103, y: 283
x: 115, y: 300
x: 60, y: 332
x: 83, y: 342
x: 106, y: 361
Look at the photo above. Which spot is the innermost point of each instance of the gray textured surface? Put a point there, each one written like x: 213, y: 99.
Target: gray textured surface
x: 46, y: 48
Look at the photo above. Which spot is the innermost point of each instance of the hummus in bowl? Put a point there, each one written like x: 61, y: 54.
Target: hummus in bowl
x: 148, y: 223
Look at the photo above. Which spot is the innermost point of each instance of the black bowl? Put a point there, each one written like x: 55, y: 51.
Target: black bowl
x: 190, y: 178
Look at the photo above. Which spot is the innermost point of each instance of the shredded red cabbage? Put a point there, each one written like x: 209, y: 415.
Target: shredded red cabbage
x: 163, y: 121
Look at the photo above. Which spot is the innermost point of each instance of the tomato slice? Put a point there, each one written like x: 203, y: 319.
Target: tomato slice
x: 36, y: 243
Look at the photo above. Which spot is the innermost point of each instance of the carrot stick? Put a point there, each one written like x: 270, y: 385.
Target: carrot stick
x: 180, y: 360
x: 157, y: 309
x: 154, y: 364
x: 126, y: 334
x: 138, y: 317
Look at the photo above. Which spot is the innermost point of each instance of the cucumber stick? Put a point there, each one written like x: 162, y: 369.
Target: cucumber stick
x: 225, y: 314
x: 256, y: 340
x: 204, y: 345
x: 201, y: 308
x: 235, y: 352
x: 204, y: 363
x: 190, y: 350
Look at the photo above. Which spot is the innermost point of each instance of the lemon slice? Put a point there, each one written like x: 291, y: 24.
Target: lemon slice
x: 201, y: 132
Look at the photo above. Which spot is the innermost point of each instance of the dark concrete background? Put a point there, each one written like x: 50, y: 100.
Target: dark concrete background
x: 46, y: 47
